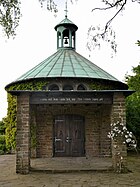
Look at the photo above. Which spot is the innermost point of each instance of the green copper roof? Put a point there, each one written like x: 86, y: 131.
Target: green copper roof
x: 66, y: 63
x: 66, y: 21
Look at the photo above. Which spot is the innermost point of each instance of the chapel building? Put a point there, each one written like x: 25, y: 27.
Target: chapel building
x: 65, y: 105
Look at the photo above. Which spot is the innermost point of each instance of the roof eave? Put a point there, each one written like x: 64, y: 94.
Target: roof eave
x: 125, y: 92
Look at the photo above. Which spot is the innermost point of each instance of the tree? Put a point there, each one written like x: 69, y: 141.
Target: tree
x: 133, y: 103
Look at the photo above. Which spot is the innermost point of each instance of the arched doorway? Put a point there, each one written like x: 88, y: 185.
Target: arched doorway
x: 69, y: 135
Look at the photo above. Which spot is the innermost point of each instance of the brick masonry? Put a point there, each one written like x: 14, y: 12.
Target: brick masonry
x: 23, y: 134
x: 119, y: 151
x: 37, y: 121
x: 97, y: 125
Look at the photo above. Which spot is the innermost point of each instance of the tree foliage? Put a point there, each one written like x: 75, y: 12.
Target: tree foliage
x: 9, y: 16
x: 138, y: 42
x: 50, y: 4
x: 133, y: 103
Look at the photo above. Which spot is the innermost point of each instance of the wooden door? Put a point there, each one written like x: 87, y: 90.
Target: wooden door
x: 69, y: 135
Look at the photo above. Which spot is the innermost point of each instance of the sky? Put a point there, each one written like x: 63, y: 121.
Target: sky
x: 36, y: 40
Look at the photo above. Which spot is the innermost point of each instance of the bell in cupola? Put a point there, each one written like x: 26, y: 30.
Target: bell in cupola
x: 66, y: 41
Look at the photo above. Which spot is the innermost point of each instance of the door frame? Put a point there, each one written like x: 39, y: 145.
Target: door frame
x: 65, y: 117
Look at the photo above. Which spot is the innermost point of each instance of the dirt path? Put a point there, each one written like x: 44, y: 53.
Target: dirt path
x: 8, y: 177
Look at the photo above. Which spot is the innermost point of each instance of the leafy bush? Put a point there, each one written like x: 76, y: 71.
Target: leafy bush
x: 133, y: 104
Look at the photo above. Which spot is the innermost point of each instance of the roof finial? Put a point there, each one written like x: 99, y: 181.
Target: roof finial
x: 66, y: 10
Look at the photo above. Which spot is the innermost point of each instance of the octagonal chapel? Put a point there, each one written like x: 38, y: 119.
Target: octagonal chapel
x: 65, y: 105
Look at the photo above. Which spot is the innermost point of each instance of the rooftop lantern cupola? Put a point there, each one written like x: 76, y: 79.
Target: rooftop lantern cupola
x: 66, y: 33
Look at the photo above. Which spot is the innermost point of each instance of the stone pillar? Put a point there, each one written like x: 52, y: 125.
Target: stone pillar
x: 62, y: 39
x: 70, y: 39
x: 119, y: 151
x: 74, y: 40
x: 58, y: 40
x: 23, y: 134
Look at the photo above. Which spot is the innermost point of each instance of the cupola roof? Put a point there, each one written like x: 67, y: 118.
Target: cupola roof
x: 66, y: 22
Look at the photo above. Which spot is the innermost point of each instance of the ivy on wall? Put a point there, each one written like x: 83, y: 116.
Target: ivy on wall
x: 2, y: 137
x: 10, y: 123
x: 11, y: 120
x: 29, y: 85
x: 104, y: 85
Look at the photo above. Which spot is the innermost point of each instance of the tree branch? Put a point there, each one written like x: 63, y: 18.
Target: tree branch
x: 109, y: 22
x: 110, y: 6
x: 107, y: 34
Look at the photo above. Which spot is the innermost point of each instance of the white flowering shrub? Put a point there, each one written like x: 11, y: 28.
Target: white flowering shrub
x: 119, y: 130
x: 120, y: 134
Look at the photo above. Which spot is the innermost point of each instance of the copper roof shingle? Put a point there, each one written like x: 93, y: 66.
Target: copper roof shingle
x: 66, y: 63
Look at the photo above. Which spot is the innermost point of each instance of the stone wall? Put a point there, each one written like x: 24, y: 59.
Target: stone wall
x: 23, y: 134
x: 97, y: 125
x: 35, y: 122
x: 119, y: 151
